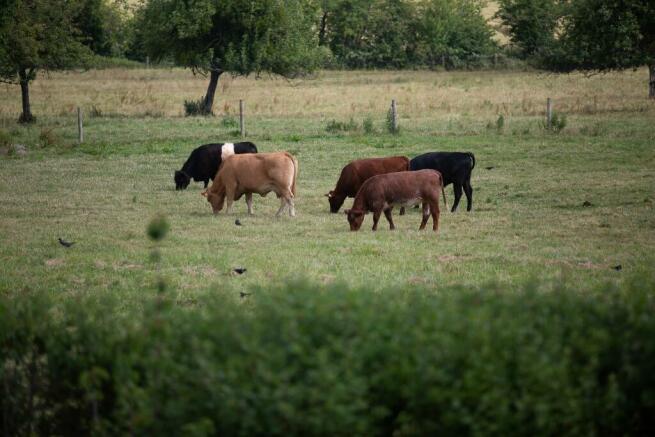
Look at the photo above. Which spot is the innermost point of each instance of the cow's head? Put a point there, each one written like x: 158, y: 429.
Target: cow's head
x: 355, y: 218
x: 336, y: 200
x: 215, y: 199
x: 181, y: 180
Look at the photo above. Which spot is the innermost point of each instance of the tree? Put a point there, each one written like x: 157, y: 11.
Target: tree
x: 531, y: 23
x: 402, y: 33
x: 598, y: 35
x: 105, y: 25
x: 37, y: 35
x: 452, y: 29
x: 236, y: 36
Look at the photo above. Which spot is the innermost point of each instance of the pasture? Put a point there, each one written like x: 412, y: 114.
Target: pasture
x: 529, y: 218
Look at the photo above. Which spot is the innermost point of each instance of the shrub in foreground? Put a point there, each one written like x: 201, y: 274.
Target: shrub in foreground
x: 308, y: 360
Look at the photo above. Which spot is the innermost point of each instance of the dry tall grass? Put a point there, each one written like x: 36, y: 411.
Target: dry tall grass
x: 335, y: 94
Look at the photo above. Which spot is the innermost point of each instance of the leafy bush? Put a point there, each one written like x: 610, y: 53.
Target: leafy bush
x: 308, y: 360
x: 389, y: 122
x: 558, y: 122
x: 367, y: 125
x: 334, y: 126
x: 195, y: 107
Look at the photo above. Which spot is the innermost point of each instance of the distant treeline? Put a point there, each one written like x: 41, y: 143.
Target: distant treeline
x: 396, y: 34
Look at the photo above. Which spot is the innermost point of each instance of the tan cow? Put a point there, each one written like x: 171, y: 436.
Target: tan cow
x: 254, y: 173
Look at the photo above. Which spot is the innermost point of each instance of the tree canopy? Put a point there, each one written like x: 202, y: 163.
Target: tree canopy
x: 38, y: 35
x: 588, y: 35
x: 216, y: 36
x: 400, y: 33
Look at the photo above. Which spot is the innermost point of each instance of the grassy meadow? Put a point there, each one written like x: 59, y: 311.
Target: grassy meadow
x: 531, y: 186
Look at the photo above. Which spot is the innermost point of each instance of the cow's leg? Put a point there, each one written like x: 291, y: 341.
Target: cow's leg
x: 283, y: 204
x: 249, y: 202
x: 387, y: 214
x: 229, y: 198
x: 376, y: 217
x: 457, y: 186
x: 206, y: 182
x: 402, y: 210
x: 426, y: 215
x: 468, y: 190
x: 434, y: 210
x: 292, y: 208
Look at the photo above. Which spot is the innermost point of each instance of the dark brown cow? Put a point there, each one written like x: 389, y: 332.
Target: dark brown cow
x: 382, y: 192
x: 357, y: 172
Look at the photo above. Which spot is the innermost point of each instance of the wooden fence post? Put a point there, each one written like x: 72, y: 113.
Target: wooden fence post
x: 80, y: 127
x: 549, y: 113
x: 394, y: 117
x: 242, y: 121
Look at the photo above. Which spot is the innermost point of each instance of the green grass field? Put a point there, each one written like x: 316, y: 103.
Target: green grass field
x: 528, y: 218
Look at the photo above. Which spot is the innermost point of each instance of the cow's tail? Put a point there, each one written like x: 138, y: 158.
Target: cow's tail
x: 295, y: 173
x: 472, y: 156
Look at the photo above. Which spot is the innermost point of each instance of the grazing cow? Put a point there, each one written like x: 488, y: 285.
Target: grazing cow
x: 254, y: 173
x: 455, y: 168
x: 357, y: 172
x: 204, y: 161
x: 382, y: 192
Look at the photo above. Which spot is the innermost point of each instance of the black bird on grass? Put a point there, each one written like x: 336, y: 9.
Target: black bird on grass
x: 237, y: 222
x: 618, y: 267
x: 240, y: 270
x: 66, y: 243
x: 243, y: 294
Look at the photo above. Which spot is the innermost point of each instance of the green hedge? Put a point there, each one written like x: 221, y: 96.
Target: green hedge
x: 308, y: 360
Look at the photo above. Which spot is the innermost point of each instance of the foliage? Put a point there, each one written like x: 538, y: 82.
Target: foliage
x: 451, y: 32
x: 367, y: 125
x: 606, y: 35
x: 38, y: 35
x: 195, y: 107
x: 158, y: 228
x: 341, y: 126
x: 232, y: 36
x: 531, y: 23
x: 557, y: 122
x: 400, y: 34
x: 590, y: 35
x: 391, y: 127
x: 308, y: 360
x: 105, y: 25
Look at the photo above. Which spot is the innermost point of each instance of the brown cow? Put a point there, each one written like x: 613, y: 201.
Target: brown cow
x: 254, y: 173
x: 382, y: 192
x: 357, y: 172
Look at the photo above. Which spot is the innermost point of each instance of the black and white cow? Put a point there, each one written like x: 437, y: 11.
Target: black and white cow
x: 204, y: 161
x: 455, y: 168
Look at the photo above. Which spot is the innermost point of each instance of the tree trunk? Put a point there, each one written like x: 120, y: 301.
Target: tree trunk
x: 651, y: 88
x: 321, y: 33
x: 208, y: 103
x: 26, y: 116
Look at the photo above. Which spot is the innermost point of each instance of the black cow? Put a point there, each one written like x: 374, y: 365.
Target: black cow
x: 204, y: 161
x: 455, y: 168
